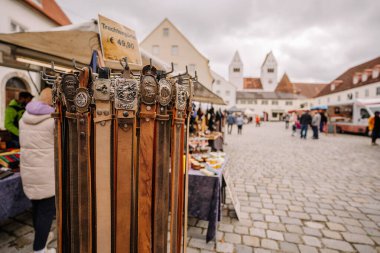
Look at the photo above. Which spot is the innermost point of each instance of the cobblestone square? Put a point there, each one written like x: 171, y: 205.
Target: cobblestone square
x: 296, y: 196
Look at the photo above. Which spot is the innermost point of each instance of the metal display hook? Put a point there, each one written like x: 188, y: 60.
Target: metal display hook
x: 75, y: 65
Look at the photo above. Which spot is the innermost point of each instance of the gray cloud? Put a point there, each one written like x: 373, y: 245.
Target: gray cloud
x: 312, y: 40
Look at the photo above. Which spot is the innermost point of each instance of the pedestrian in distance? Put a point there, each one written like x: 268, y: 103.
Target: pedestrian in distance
x: 257, y: 121
x: 286, y: 119
x: 315, y: 124
x: 230, y: 122
x: 374, y: 127
x: 13, y: 114
x: 305, y: 121
x: 240, y: 123
x: 37, y: 167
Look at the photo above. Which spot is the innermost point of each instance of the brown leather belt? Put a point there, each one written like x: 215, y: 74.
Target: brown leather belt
x: 177, y: 169
x: 103, y: 173
x: 126, y: 91
x: 161, y: 168
x: 148, y: 90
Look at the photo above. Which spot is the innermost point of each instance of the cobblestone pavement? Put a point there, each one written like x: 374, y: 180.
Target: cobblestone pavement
x: 299, y: 195
x: 296, y: 196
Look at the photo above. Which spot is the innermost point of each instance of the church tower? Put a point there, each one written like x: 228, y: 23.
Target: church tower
x: 268, y: 75
x: 235, y: 72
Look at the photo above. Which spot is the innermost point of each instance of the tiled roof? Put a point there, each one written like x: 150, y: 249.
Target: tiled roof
x: 309, y: 90
x: 345, y: 80
x: 51, y: 10
x: 252, y: 83
x: 267, y: 95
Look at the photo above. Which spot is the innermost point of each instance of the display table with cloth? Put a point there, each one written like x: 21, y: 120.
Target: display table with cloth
x: 205, y: 198
x: 12, y: 198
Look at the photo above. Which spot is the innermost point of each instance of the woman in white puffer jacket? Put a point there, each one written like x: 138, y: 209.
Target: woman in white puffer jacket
x: 37, y: 166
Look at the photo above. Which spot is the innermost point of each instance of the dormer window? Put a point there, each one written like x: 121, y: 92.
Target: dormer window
x: 375, y: 72
x: 364, y: 77
x: 270, y: 70
x: 165, y: 32
x: 236, y: 70
x: 355, y: 79
x: 332, y: 86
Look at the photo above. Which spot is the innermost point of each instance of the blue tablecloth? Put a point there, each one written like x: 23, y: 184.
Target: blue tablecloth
x: 205, y: 198
x: 12, y: 198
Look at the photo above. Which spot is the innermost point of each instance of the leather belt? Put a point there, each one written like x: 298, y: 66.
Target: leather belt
x: 126, y: 91
x: 148, y: 91
x: 103, y: 173
x: 177, y: 169
x: 161, y: 168
x: 58, y: 154
x: 82, y: 103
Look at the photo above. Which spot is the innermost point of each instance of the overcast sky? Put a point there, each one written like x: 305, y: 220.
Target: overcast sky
x: 313, y: 40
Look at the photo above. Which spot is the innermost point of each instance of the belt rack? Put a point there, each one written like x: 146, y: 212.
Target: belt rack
x: 121, y: 175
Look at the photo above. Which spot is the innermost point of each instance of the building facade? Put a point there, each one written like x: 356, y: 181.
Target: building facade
x: 359, y: 82
x: 22, y: 16
x: 235, y: 71
x: 224, y: 89
x: 169, y: 44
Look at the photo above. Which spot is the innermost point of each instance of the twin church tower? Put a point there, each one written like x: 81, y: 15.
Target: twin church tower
x: 268, y: 76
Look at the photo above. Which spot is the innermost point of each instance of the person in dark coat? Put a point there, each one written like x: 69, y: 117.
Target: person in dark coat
x: 305, y: 121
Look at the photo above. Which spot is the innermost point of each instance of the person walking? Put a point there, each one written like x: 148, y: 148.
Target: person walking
x: 37, y: 167
x: 315, y: 124
x: 230, y: 122
x: 286, y: 119
x: 305, y: 121
x: 323, y: 122
x: 257, y: 121
x: 374, y: 127
x: 240, y: 123
x: 13, y: 114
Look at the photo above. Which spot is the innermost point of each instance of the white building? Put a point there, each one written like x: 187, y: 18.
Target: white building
x: 21, y: 16
x: 224, y: 89
x: 235, y: 71
x: 361, y: 81
x: 168, y: 43
x: 268, y: 74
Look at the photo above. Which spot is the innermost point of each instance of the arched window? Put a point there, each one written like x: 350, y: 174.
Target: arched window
x: 13, y: 87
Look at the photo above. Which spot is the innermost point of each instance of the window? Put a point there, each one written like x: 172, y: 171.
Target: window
x: 165, y: 32
x: 364, y: 114
x: 13, y: 87
x: 243, y: 101
x: 270, y: 81
x: 228, y: 92
x: 217, y: 81
x: 156, y: 49
x: 264, y: 102
x: 328, y: 100
x: 274, y: 102
x: 218, y: 92
x: 378, y: 91
x: 227, y: 102
x: 289, y: 103
x: 274, y: 114
x: 174, y: 50
x: 271, y: 70
x: 356, y: 94
x: 236, y: 70
x: 192, y: 68
x: 366, y: 93
x: 255, y: 102
x: 332, y: 87
x: 338, y: 98
x: 16, y: 27
x: 350, y: 96
x: 319, y: 101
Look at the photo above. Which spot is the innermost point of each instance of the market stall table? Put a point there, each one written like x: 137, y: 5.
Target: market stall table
x: 205, y: 198
x: 12, y: 198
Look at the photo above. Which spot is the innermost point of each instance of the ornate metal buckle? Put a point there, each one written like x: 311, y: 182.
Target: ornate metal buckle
x: 181, y: 96
x: 102, y: 89
x: 164, y: 92
x: 148, y: 90
x: 69, y: 86
x: 82, y: 100
x: 126, y: 94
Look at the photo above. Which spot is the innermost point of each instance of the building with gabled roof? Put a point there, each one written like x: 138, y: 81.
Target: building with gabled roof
x: 22, y: 16
x: 168, y: 43
x: 361, y: 81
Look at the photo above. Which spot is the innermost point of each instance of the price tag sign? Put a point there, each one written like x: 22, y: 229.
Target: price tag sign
x: 118, y: 41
